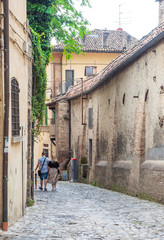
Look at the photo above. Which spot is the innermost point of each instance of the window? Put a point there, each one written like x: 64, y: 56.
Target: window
x: 15, y: 107
x: 45, y: 145
x: 69, y: 76
x: 89, y: 71
x: 90, y: 118
x: 45, y: 151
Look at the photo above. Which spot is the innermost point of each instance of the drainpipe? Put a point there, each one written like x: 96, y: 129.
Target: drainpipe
x: 70, y: 153
x: 6, y: 115
x: 61, y: 74
x: 22, y: 174
x: 32, y: 161
x: 82, y: 123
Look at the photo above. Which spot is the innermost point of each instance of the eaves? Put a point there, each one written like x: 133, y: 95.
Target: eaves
x: 93, y: 51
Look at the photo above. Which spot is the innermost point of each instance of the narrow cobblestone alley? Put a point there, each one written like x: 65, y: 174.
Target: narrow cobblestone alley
x: 78, y: 212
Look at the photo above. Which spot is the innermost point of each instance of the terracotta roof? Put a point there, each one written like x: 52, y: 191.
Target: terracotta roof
x: 104, y: 41
x: 116, y: 65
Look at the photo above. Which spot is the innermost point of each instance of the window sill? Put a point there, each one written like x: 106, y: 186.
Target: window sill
x: 16, y: 139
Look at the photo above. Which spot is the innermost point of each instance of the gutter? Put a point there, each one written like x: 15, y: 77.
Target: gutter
x: 6, y: 115
x: 93, y: 50
x: 123, y: 64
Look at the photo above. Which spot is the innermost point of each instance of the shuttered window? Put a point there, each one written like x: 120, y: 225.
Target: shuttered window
x: 90, y: 70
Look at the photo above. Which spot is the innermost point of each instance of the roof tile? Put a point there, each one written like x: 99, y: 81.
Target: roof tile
x: 122, y: 60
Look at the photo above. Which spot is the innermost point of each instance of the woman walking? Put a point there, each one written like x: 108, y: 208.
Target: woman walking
x: 53, y: 172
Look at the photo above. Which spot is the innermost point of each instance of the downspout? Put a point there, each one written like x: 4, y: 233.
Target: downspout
x: 32, y: 161
x: 70, y: 151
x: 82, y: 101
x: 6, y: 115
x: 61, y: 74
x: 22, y: 174
x: 32, y: 145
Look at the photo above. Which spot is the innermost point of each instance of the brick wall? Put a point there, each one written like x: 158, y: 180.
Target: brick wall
x: 62, y: 133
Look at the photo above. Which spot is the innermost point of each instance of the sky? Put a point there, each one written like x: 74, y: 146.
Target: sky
x: 137, y: 17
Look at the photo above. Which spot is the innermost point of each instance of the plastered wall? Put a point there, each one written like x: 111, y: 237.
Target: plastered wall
x: 80, y: 61
x: 127, y: 135
x: 19, y: 69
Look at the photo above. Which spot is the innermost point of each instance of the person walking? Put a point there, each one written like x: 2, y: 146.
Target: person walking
x: 43, y: 167
x: 53, y: 172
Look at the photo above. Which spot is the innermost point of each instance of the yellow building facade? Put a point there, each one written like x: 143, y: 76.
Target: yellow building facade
x: 78, y: 64
x: 14, y: 145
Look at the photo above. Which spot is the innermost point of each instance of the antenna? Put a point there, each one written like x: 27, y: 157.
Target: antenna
x: 123, y: 19
x: 120, y: 15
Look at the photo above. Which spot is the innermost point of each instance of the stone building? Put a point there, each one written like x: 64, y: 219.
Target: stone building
x: 15, y: 109
x: 115, y: 120
x: 100, y: 47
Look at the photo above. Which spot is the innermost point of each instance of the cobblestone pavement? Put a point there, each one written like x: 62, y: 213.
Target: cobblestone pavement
x: 81, y: 212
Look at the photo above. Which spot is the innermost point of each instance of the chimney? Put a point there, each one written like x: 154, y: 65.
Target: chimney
x: 161, y: 11
x: 128, y: 39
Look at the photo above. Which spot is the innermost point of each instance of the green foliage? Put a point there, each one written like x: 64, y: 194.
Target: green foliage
x: 59, y: 19
x: 51, y: 18
x: 31, y: 183
x: 118, y: 188
x: 93, y: 184
x: 145, y: 196
x: 31, y: 202
x: 84, y: 160
x: 140, y: 195
x: 39, y: 81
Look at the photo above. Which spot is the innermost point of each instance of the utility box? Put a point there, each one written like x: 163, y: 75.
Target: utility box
x: 74, y: 170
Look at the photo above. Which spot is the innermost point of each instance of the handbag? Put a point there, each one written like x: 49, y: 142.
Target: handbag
x: 39, y: 171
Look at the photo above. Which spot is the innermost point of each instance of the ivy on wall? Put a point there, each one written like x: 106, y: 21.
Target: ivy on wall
x: 47, y: 19
x: 39, y: 82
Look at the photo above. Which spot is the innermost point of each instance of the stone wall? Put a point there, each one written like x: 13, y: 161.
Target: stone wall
x: 127, y: 127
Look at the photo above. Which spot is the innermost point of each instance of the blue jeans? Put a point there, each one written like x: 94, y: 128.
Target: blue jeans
x: 44, y: 176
